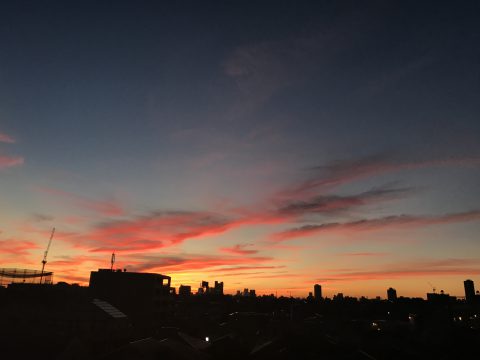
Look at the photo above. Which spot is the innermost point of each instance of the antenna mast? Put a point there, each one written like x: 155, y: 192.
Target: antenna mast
x: 112, y: 261
x: 44, y: 261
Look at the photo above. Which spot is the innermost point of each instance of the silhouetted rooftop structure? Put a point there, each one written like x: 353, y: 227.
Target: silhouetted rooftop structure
x: 14, y: 275
x: 133, y: 293
x: 185, y: 290
x: 440, y: 298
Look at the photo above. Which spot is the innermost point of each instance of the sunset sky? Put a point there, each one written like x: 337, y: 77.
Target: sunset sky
x: 267, y: 144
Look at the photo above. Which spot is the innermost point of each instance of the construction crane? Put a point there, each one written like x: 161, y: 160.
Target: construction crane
x: 44, y: 261
x: 112, y: 261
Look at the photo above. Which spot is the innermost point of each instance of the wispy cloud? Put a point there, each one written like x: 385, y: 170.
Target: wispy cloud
x: 16, y: 247
x: 443, y: 267
x: 335, y: 203
x: 6, y: 138
x: 7, y: 161
x: 364, y: 254
x: 262, y: 69
x: 249, y: 268
x: 103, y: 207
x: 38, y: 217
x: 395, y: 221
x: 346, y: 171
x: 161, y: 229
x: 239, y: 249
x: 155, y: 230
x: 192, y: 263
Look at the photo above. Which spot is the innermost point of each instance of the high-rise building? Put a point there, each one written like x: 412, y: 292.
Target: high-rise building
x: 391, y: 294
x: 317, y: 291
x: 185, y: 290
x: 218, y: 289
x: 469, y: 290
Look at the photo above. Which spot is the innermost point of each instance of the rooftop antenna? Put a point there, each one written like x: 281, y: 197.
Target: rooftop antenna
x: 112, y: 261
x: 433, y: 287
x: 44, y: 261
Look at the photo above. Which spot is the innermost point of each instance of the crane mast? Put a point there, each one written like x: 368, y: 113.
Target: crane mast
x: 44, y: 261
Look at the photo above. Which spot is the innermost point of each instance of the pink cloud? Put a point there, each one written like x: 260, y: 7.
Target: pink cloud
x: 6, y: 138
x: 16, y: 247
x: 75, y: 261
x: 152, y: 231
x: 163, y: 229
x: 187, y: 263
x: 364, y: 254
x: 7, y: 161
x: 103, y: 207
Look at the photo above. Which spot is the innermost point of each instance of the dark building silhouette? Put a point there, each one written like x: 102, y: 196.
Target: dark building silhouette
x: 391, y: 294
x: 441, y: 298
x: 131, y: 292
x: 185, y: 290
x: 218, y: 289
x: 317, y: 291
x: 204, y: 288
x: 469, y: 291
